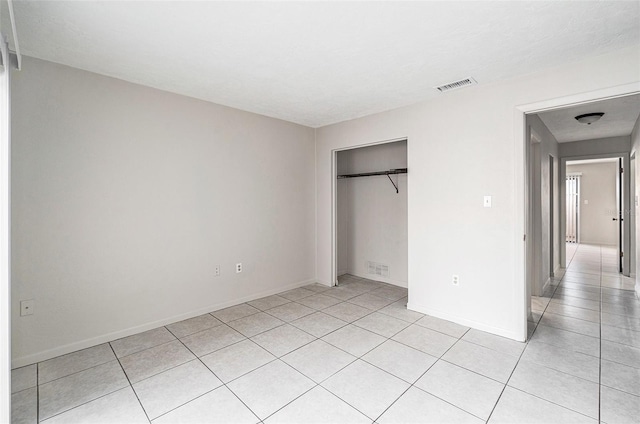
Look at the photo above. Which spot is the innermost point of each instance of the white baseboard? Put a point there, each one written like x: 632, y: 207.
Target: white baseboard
x: 109, y: 337
x: 379, y: 278
x: 546, y: 284
x: 510, y: 334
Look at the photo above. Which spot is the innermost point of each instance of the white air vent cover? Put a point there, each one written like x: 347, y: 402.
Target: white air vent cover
x: 377, y: 269
x: 456, y: 84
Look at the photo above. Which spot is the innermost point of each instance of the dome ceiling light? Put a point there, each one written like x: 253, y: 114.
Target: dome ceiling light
x: 589, y: 118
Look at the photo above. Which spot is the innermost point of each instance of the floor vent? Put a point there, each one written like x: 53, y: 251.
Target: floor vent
x: 377, y: 269
x: 456, y: 84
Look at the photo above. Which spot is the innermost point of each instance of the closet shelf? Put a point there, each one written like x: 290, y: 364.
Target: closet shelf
x: 371, y: 174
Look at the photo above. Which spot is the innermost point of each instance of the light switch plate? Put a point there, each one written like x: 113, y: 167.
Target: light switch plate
x: 487, y: 201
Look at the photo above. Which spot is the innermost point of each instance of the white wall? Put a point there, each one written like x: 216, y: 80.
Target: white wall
x: 598, y: 204
x: 461, y: 147
x: 125, y: 198
x: 544, y: 145
x: 371, y: 216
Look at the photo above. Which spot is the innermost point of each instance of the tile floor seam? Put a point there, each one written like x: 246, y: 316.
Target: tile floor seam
x: 440, y: 358
x: 85, y: 403
x: 373, y: 420
x: 472, y: 371
x: 346, y: 301
x: 300, y: 347
x: 446, y: 334
x: 554, y: 403
x: 490, y: 348
x: 452, y: 404
x: 600, y: 346
x: 220, y: 348
x: 130, y: 385
x: 164, y: 370
x: 358, y: 357
x: 569, y: 331
x: 422, y: 375
x: 219, y: 379
x: 38, y: 392
x: 293, y: 400
x: 179, y: 406
x: 506, y: 383
x: 145, y: 349
x: 324, y: 335
x: 77, y: 372
x: 24, y: 390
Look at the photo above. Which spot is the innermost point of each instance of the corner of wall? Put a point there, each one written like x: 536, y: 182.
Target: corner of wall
x: 315, y: 187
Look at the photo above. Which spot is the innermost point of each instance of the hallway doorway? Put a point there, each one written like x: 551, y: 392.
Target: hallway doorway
x: 556, y: 133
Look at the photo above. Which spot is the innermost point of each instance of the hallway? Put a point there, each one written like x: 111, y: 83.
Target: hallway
x: 584, y: 353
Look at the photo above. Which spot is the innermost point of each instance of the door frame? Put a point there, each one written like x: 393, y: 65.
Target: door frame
x: 552, y: 218
x: 334, y: 199
x: 625, y: 238
x: 521, y: 185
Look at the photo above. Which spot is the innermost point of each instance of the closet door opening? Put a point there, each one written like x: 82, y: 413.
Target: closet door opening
x: 371, y: 214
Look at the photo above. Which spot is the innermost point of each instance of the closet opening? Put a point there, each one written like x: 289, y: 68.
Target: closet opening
x: 370, y: 214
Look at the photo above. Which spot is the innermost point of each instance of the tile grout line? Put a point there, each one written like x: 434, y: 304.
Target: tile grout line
x: 219, y: 379
x: 600, y: 346
x: 506, y: 384
x: 130, y: 385
x: 37, y: 393
x: 439, y: 358
x: 350, y: 363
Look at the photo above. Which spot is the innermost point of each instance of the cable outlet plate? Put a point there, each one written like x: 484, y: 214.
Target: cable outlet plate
x: 26, y: 307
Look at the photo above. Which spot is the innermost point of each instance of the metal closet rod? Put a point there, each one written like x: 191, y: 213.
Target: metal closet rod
x: 371, y: 174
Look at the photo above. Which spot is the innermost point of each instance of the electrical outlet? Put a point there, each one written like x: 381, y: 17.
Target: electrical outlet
x: 217, y: 270
x: 26, y: 307
x: 455, y: 280
x: 238, y: 268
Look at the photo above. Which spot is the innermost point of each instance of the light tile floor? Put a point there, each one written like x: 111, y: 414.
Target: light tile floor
x: 355, y: 354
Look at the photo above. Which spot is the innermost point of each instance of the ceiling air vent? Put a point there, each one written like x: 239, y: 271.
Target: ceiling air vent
x: 456, y: 84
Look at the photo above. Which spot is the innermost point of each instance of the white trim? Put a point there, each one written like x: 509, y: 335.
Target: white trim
x: 15, y: 34
x: 334, y: 199
x: 5, y: 236
x: 520, y: 190
x: 94, y: 341
x: 468, y: 323
x: 379, y: 278
x: 546, y: 284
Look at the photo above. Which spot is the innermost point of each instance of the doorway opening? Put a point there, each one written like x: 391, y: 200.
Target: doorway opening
x: 547, y: 127
x: 370, y: 213
x: 594, y: 198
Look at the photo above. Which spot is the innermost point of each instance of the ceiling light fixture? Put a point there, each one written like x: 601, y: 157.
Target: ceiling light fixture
x: 589, y: 118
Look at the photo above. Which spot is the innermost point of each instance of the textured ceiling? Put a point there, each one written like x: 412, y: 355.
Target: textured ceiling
x: 620, y: 116
x: 317, y: 63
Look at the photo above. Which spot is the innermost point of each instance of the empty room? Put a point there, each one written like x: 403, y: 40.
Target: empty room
x: 329, y: 212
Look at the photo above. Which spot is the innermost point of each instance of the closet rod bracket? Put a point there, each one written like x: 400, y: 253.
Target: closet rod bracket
x: 394, y: 184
